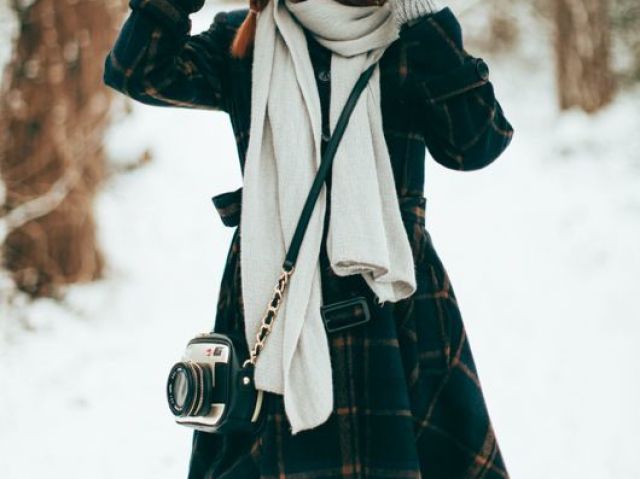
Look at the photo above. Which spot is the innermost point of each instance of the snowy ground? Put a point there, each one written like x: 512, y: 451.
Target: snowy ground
x: 542, y: 248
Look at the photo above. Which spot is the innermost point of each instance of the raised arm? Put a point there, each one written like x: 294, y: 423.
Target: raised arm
x: 156, y: 61
x: 463, y: 124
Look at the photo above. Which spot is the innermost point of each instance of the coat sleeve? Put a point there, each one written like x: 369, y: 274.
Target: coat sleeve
x: 155, y: 59
x: 449, y: 90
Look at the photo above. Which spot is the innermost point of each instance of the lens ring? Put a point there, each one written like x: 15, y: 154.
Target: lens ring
x: 207, y: 390
x: 197, y: 400
x: 181, y: 370
x: 203, y: 390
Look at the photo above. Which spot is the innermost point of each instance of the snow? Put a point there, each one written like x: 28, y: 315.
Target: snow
x: 541, y: 247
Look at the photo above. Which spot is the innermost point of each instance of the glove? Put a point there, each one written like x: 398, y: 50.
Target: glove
x: 405, y: 11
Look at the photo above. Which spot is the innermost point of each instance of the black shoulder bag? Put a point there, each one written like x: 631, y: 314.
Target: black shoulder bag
x: 211, y: 389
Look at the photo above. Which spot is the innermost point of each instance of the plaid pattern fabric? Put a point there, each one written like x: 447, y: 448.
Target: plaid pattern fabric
x: 408, y: 401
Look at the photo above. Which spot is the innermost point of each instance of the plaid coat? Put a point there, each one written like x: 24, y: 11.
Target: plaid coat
x: 408, y: 402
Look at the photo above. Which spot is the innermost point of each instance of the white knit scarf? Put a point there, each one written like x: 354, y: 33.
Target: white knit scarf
x: 366, y: 235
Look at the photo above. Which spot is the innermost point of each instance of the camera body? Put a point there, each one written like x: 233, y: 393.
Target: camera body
x: 211, y: 389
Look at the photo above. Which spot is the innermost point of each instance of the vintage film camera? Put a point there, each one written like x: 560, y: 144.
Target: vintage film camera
x: 211, y: 389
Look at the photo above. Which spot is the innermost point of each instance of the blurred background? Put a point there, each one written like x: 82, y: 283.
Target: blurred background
x: 113, y: 253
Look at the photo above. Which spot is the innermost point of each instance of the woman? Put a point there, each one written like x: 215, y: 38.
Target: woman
x: 405, y: 400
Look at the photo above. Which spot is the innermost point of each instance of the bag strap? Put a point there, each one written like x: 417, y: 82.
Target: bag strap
x: 325, y: 165
x: 291, y: 257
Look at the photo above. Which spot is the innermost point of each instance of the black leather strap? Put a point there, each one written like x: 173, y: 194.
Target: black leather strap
x: 325, y: 164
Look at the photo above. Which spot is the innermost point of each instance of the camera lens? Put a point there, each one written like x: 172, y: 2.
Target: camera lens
x: 189, y: 389
x: 181, y: 388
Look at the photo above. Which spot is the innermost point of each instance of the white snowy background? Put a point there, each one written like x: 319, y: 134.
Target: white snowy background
x: 542, y: 247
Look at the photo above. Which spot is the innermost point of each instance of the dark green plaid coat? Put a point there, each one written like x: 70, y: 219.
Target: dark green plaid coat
x: 408, y: 402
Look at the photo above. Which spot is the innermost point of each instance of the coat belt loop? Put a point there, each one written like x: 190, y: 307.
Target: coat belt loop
x: 229, y: 206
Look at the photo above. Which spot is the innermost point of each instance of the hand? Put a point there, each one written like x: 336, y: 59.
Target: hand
x: 355, y: 3
x: 362, y: 3
x: 407, y: 10
x: 192, y: 6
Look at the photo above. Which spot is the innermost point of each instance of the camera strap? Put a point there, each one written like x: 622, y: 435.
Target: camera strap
x: 291, y: 257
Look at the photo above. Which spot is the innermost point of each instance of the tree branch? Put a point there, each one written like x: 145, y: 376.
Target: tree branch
x: 38, y: 207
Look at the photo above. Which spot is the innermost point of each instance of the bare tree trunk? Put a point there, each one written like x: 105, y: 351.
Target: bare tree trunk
x: 503, y: 28
x: 53, y: 113
x: 582, y: 44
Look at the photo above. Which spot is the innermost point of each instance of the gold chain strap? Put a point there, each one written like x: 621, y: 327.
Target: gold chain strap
x: 270, y: 315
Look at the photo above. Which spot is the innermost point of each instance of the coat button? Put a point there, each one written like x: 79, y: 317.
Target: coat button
x: 324, y: 75
x: 325, y: 136
x: 482, y: 68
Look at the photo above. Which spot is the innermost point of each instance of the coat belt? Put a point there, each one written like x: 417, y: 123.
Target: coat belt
x: 229, y: 206
x: 347, y: 305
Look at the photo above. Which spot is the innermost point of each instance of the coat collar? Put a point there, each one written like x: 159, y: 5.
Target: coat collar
x: 319, y: 54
